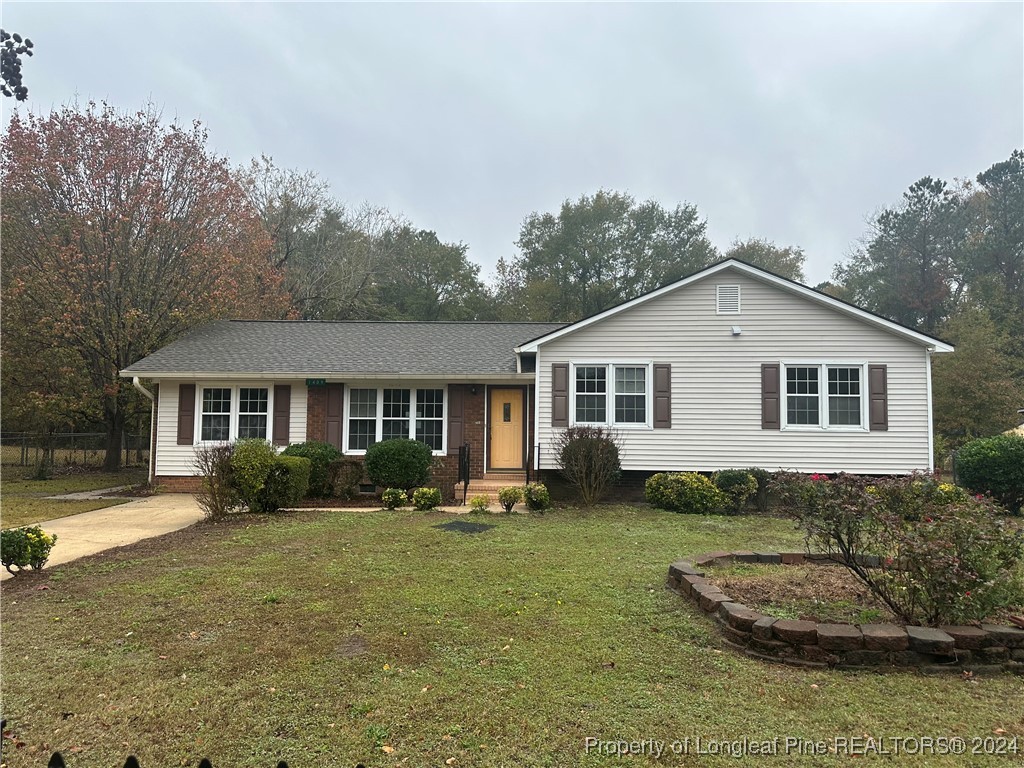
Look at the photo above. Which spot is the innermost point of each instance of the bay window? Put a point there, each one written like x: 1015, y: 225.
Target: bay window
x: 611, y: 394
x: 386, y: 413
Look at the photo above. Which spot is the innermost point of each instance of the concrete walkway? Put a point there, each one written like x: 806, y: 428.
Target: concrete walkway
x: 92, y: 532
x: 98, y: 493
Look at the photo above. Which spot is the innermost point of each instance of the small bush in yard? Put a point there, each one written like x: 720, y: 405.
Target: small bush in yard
x: 217, y: 496
x: 25, y: 547
x: 287, y: 483
x: 588, y: 458
x: 398, y: 464
x: 251, y: 463
x: 943, y: 558
x: 393, y: 498
x: 536, y: 497
x: 479, y: 503
x: 994, y: 465
x: 425, y: 499
x: 763, y: 478
x: 739, y: 485
x: 343, y: 477
x: 320, y: 456
x: 509, y: 497
x: 685, y: 492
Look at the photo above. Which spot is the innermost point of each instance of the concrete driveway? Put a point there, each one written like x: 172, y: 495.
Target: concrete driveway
x: 92, y: 532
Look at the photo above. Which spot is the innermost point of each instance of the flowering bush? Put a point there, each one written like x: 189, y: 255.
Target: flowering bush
x: 943, y: 557
x: 425, y: 499
x: 393, y: 498
x: 25, y: 547
x: 685, y: 492
x: 509, y: 497
x: 479, y: 503
x: 536, y: 497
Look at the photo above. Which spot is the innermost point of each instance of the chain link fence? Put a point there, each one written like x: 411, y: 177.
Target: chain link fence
x: 69, y: 449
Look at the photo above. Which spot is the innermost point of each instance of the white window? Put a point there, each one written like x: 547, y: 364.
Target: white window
x: 825, y: 395
x: 230, y: 413
x: 386, y: 413
x: 611, y: 394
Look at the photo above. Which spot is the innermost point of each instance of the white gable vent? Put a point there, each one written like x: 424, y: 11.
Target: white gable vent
x: 728, y: 299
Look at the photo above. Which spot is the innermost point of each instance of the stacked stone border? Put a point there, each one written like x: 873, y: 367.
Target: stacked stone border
x: 989, y: 648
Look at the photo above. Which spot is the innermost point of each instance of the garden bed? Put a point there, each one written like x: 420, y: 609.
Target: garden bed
x: 800, y: 621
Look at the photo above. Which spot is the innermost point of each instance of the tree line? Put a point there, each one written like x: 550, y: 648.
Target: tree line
x: 122, y: 232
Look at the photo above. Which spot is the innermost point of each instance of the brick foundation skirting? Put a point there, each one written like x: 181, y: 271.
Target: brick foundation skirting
x: 988, y: 648
x: 173, y: 484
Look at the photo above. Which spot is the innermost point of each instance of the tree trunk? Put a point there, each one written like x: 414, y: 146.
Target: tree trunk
x: 115, y: 418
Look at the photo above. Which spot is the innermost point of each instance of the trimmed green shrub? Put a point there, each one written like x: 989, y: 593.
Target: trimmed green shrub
x: 425, y: 499
x: 994, y: 465
x: 739, y: 485
x: 685, y: 492
x: 393, y: 498
x: 509, y: 497
x: 479, y: 503
x: 343, y: 477
x: 287, y: 484
x: 217, y: 496
x: 536, y: 497
x: 398, y: 464
x: 25, y: 547
x: 320, y: 456
x: 764, y: 480
x: 251, y: 464
x: 588, y: 458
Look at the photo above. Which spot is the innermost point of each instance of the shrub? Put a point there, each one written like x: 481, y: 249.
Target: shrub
x: 738, y: 485
x: 588, y: 458
x: 25, y: 547
x: 286, y: 485
x: 321, y: 456
x: 763, y: 478
x: 252, y: 461
x: 343, y: 476
x: 393, y: 498
x: 536, y: 497
x: 425, y: 499
x: 479, y: 503
x: 509, y: 497
x: 943, y: 558
x: 685, y: 492
x: 994, y: 465
x: 398, y: 463
x: 217, y: 496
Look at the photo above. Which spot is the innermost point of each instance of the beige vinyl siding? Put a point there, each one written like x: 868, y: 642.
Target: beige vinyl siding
x: 178, y: 460
x: 716, y: 381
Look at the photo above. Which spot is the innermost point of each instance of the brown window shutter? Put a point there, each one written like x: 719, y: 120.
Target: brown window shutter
x: 334, y: 413
x: 771, y: 399
x: 559, y: 394
x: 456, y: 407
x: 186, y: 414
x: 282, y: 412
x: 878, y: 398
x: 662, y: 396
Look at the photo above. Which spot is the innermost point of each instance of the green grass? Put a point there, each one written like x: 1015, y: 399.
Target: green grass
x: 324, y: 638
x: 22, y: 502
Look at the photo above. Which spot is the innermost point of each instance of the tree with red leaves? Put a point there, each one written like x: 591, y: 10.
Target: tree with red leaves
x: 120, y: 233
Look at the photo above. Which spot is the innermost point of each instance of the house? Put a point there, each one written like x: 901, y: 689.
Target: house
x: 730, y: 367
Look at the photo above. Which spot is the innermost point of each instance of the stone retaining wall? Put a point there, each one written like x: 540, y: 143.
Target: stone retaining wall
x: 984, y: 649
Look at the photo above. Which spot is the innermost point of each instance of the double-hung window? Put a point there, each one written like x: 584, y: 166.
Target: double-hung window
x: 227, y: 413
x: 611, y: 394
x: 386, y: 413
x: 824, y: 395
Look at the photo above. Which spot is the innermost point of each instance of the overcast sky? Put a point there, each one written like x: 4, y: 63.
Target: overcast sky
x: 792, y: 122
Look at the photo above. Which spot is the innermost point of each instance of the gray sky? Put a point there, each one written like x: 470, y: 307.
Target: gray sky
x: 792, y: 122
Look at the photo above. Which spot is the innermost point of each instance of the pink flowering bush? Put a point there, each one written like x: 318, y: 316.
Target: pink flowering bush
x: 930, y: 552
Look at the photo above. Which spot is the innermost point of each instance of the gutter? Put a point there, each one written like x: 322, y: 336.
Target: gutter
x: 152, y: 423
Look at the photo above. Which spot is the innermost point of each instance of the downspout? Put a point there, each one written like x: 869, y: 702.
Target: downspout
x: 152, y: 422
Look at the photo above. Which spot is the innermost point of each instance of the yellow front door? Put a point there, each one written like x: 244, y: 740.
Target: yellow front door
x: 506, y: 449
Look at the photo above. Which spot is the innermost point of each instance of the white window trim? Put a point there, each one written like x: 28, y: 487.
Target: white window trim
x: 233, y: 413
x: 610, y: 366
x: 380, y: 387
x: 823, y: 366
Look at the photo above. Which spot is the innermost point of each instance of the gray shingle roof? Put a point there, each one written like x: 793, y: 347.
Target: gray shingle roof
x: 259, y: 346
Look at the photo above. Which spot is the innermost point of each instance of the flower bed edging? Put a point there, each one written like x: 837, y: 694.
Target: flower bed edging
x: 985, y: 649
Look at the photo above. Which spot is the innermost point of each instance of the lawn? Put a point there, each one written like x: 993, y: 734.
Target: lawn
x: 22, y: 500
x: 329, y: 638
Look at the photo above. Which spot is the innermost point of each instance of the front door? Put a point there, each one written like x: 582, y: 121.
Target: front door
x: 506, y: 443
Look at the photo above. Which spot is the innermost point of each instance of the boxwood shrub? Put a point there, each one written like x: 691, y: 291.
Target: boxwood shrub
x: 685, y: 492
x: 994, y: 465
x: 320, y: 456
x: 401, y: 464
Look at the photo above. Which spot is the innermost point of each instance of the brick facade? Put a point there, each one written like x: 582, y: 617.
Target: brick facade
x: 316, y: 414
x: 175, y: 484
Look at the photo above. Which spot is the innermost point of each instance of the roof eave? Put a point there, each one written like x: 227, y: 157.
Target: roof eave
x: 332, y: 375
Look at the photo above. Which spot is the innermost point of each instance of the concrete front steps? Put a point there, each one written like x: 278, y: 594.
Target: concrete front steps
x: 490, y: 484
